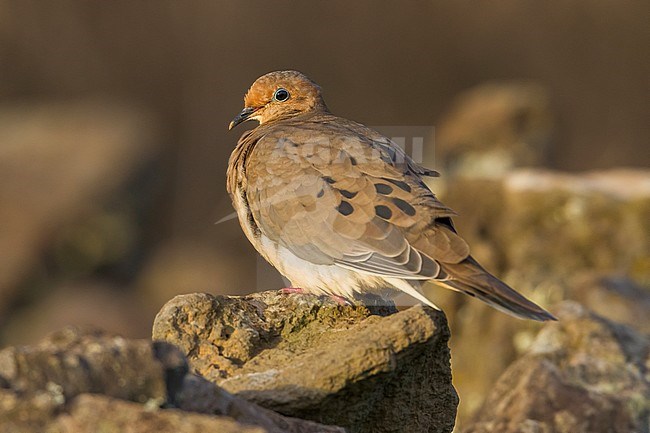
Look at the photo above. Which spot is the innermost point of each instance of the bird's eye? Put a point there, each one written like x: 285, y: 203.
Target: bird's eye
x: 281, y: 95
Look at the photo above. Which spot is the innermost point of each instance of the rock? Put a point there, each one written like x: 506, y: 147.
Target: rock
x: 556, y: 223
x: 613, y: 297
x: 551, y: 236
x: 489, y: 130
x: 57, y: 162
x: 309, y: 357
x: 583, y: 374
x: 535, y: 223
x: 75, y: 361
x: 196, y: 394
x: 92, y: 413
x: 88, y: 381
x: 492, y: 128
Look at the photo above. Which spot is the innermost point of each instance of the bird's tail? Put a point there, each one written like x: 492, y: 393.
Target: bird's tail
x: 469, y: 277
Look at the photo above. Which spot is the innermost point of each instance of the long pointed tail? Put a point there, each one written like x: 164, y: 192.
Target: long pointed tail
x: 469, y: 277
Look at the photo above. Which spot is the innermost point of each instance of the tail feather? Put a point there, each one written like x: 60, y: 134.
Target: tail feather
x: 471, y: 278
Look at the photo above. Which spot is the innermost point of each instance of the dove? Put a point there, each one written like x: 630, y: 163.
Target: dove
x: 340, y: 210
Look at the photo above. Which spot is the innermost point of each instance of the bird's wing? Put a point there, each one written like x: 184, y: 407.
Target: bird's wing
x: 336, y: 194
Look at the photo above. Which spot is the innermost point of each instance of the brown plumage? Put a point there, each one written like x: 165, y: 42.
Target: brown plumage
x: 339, y: 209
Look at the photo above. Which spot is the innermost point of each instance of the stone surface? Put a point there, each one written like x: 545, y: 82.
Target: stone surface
x: 614, y: 297
x: 312, y: 358
x: 88, y: 381
x: 583, y: 374
x: 75, y: 362
x: 93, y: 413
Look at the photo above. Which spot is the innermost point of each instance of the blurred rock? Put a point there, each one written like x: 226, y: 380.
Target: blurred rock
x: 551, y: 236
x: 91, y: 413
x: 492, y: 128
x: 477, y: 328
x: 81, y: 303
x: 556, y: 223
x: 615, y: 298
x: 583, y: 374
x: 311, y: 358
x: 488, y: 131
x: 76, y: 361
x: 88, y: 381
x: 534, y: 225
x: 57, y: 162
x: 540, y: 223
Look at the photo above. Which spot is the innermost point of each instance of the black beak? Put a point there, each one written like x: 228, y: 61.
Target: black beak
x: 241, y: 117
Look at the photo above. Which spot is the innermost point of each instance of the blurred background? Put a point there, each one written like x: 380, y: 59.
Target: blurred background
x: 114, y: 145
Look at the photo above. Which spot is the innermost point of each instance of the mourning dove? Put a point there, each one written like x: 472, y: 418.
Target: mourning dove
x: 339, y: 209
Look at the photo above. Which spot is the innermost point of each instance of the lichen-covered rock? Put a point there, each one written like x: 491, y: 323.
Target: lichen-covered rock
x: 536, y: 223
x: 93, y: 413
x: 555, y: 223
x: 88, y: 381
x: 492, y: 128
x: 551, y: 236
x: 583, y: 374
x: 312, y: 358
x: 613, y: 297
x: 75, y: 361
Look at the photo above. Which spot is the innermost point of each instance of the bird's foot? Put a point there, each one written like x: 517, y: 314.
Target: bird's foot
x: 336, y: 298
x: 290, y: 290
x: 340, y: 300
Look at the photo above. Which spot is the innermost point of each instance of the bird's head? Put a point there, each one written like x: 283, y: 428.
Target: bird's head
x: 279, y: 95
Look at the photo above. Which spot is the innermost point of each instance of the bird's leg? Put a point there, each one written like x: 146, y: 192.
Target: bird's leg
x: 340, y: 300
x: 290, y: 290
x: 336, y: 298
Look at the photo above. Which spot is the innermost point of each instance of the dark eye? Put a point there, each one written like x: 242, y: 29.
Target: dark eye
x: 281, y: 95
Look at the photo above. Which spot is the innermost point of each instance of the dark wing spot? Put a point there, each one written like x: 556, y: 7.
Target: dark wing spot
x: 347, y: 194
x: 404, y: 206
x: 398, y: 183
x: 320, y: 193
x: 384, y: 189
x: 383, y: 212
x: 328, y: 179
x: 448, y: 222
x: 353, y: 160
x: 345, y: 208
x: 389, y: 155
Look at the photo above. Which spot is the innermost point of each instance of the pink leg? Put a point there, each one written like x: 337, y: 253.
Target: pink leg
x: 340, y: 300
x: 290, y: 290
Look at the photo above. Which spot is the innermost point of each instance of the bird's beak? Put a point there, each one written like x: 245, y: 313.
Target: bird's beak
x: 241, y: 117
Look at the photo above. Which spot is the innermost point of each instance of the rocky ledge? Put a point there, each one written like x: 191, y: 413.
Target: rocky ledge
x: 583, y: 374
x: 360, y: 368
x: 84, y: 381
x: 261, y: 363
